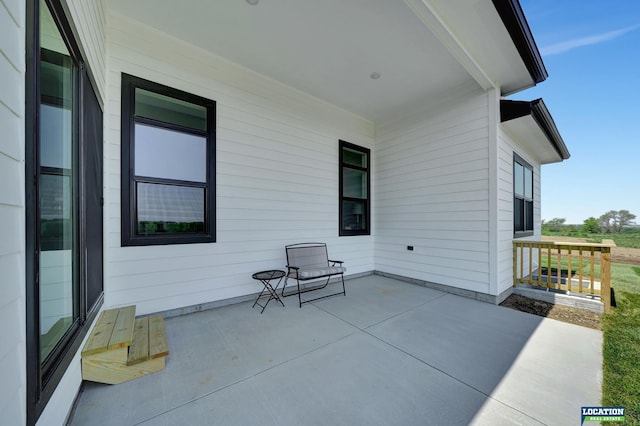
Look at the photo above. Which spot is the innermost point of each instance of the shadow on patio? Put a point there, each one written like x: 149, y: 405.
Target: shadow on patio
x: 387, y: 353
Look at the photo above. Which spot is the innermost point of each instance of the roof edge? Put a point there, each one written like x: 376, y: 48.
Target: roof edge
x: 510, y: 110
x: 516, y: 24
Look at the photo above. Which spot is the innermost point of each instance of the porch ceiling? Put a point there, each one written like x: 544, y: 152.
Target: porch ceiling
x: 330, y: 48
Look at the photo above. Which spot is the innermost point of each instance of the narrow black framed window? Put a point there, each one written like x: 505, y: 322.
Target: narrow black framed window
x: 355, y: 189
x: 63, y: 200
x: 522, y: 197
x: 168, y: 165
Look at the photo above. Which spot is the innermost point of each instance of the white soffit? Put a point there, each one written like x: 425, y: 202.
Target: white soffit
x: 528, y: 133
x: 477, y: 25
x: 330, y: 48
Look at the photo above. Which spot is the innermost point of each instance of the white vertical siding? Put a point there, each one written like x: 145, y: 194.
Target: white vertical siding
x: 276, y: 182
x: 12, y: 213
x: 89, y: 21
x: 432, y: 180
x: 507, y: 146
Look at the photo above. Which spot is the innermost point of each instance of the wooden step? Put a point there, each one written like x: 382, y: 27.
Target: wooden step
x: 114, y: 329
x: 149, y: 340
x: 115, y: 372
x: 122, y: 347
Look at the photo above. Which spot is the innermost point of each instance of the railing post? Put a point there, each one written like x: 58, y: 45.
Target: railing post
x: 592, y: 279
x: 559, y: 268
x: 530, y: 263
x: 605, y: 289
x: 515, y: 264
x: 539, y: 265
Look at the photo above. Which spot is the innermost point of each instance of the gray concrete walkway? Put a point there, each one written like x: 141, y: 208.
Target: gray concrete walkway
x: 389, y: 353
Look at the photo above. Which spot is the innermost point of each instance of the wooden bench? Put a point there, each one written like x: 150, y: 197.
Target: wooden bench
x: 122, y: 347
x: 310, y: 261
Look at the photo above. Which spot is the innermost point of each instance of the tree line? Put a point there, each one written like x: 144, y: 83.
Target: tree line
x: 612, y: 222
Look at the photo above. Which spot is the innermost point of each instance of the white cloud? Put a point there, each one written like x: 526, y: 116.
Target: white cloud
x: 565, y: 46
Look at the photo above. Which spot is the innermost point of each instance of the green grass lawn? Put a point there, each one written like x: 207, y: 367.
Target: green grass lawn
x: 626, y: 239
x: 630, y: 237
x: 621, y: 350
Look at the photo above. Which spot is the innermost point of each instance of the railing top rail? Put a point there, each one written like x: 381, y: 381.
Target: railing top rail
x: 559, y: 244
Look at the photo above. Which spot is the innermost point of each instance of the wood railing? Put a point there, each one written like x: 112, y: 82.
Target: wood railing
x: 571, y: 267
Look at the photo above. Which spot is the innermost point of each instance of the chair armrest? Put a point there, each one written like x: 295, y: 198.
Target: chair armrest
x: 336, y: 261
x: 295, y: 268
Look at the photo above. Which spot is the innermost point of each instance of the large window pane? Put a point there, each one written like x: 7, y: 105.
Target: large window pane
x: 55, y: 149
x: 168, y: 154
x: 56, y: 220
x: 528, y: 223
x: 518, y: 179
x: 57, y: 188
x: 170, y: 209
x: 170, y: 110
x: 354, y: 215
x: 354, y: 183
x: 518, y: 214
x: 528, y: 183
x: 356, y: 158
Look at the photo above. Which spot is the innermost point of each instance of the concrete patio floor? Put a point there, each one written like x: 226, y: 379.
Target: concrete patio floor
x: 388, y: 353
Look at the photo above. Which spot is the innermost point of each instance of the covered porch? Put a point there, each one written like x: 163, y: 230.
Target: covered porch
x: 390, y: 352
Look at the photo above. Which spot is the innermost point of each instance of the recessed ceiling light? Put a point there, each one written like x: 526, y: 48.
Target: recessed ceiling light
x: 253, y: 2
x: 374, y: 76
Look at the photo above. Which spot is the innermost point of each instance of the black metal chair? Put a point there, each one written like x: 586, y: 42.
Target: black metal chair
x: 310, y: 261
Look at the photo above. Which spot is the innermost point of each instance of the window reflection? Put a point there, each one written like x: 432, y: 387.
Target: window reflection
x: 56, y: 188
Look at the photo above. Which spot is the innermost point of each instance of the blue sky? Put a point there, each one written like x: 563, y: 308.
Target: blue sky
x: 591, y: 49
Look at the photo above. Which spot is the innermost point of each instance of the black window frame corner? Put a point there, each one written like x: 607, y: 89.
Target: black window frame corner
x: 128, y: 200
x: 342, y: 232
x: 524, y: 232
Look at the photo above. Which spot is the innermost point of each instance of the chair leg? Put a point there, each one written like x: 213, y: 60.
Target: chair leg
x: 284, y: 286
x: 299, y: 297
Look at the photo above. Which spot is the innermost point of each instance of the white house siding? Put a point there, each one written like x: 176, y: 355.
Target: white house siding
x: 507, y: 146
x: 276, y: 182
x: 432, y: 192
x: 89, y: 21
x: 12, y: 213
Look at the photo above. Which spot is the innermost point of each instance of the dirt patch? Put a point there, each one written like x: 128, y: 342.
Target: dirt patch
x: 626, y: 255
x: 558, y: 312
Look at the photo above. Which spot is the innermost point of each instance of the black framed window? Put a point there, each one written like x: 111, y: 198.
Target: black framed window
x: 522, y: 197
x: 168, y: 165
x: 355, y: 190
x: 63, y: 200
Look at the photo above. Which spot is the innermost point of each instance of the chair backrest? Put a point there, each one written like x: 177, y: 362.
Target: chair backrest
x: 307, y: 255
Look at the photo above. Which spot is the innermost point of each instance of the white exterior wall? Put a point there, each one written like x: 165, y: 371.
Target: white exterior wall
x: 90, y: 21
x: 507, y: 146
x: 276, y: 182
x: 432, y: 192
x: 12, y: 214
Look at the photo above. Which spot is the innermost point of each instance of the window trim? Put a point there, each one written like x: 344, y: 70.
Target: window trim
x: 367, y: 169
x: 128, y: 179
x: 525, y: 164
